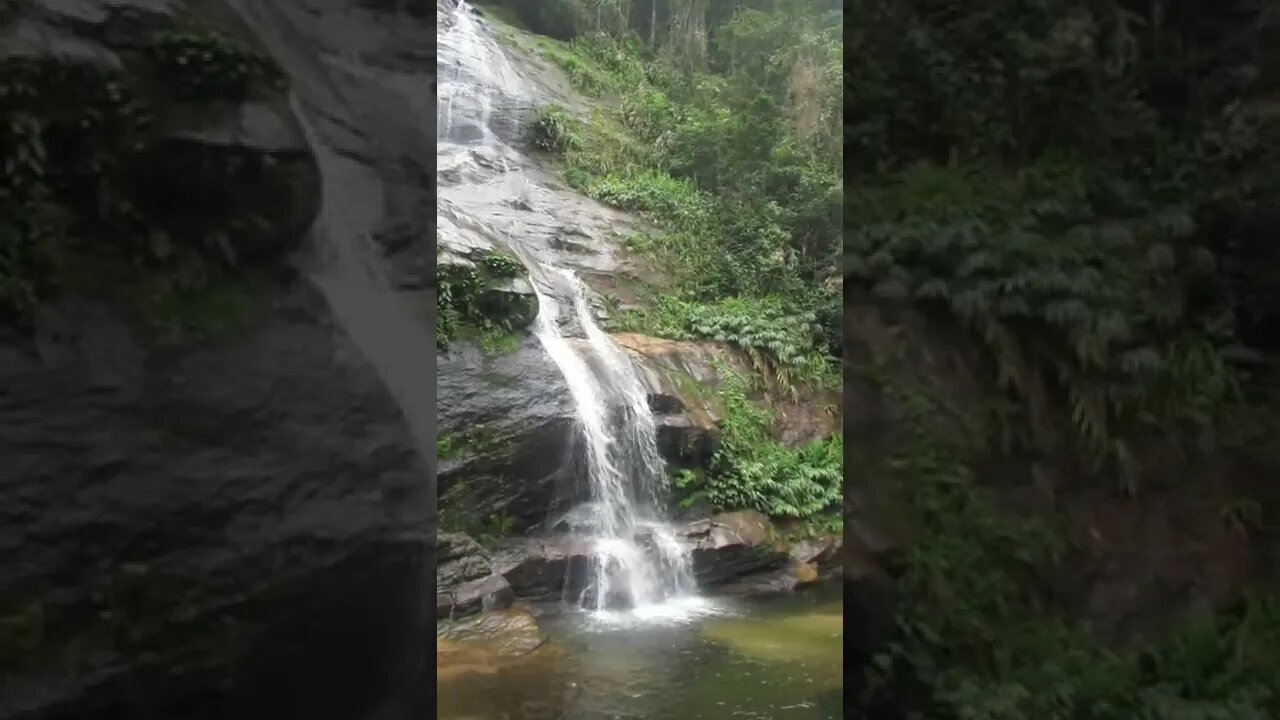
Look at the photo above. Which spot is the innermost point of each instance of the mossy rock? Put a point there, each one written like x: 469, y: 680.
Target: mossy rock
x: 144, y: 144
x: 485, y: 295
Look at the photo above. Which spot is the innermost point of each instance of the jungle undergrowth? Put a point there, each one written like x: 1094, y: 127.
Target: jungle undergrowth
x: 750, y: 238
x: 979, y: 625
x: 752, y: 470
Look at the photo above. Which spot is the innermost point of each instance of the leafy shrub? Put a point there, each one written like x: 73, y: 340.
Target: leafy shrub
x: 203, y: 65
x: 465, y: 308
x: 748, y: 203
x: 784, y: 343
x: 753, y: 471
x: 554, y: 130
x: 981, y: 629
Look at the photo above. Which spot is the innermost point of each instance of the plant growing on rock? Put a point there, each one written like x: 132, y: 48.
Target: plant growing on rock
x: 752, y: 470
x: 554, y: 130
x: 985, y: 635
x: 747, y: 196
x: 204, y: 65
x: 468, y: 302
x: 75, y: 191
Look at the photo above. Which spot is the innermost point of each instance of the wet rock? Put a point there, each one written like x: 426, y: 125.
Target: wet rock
x: 581, y: 519
x: 465, y: 581
x: 237, y: 494
x: 773, y: 582
x: 29, y: 39
x: 470, y: 655
x: 731, y: 545
x: 544, y: 569
x: 806, y: 573
x: 686, y: 443
x: 823, y: 554
x: 491, y: 592
x: 459, y: 559
x: 510, y: 633
x: 509, y: 421
x: 664, y: 404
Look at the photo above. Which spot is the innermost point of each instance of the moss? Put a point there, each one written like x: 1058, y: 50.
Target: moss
x: 479, y: 303
x: 210, y: 312
x: 167, y: 305
x: 199, y: 63
x: 22, y: 632
x: 479, y: 440
x: 459, y: 512
x: 86, y: 177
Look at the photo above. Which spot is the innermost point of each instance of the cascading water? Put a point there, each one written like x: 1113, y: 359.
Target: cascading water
x: 638, y: 561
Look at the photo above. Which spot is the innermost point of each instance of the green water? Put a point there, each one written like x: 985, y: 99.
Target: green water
x: 758, y: 660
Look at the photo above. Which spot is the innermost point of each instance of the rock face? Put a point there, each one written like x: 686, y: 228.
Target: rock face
x: 506, y: 421
x: 725, y: 548
x: 731, y: 545
x: 185, y: 517
x: 544, y: 569
x: 236, y: 526
x: 681, y: 378
x: 465, y: 580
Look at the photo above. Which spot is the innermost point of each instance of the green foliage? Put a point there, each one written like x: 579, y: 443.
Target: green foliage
x: 743, y: 178
x: 784, y: 346
x: 982, y: 629
x: 204, y: 65
x: 467, y: 304
x: 1043, y: 176
x: 458, y: 512
x: 753, y: 471
x: 74, y: 138
x: 554, y: 130
x: 1085, y: 311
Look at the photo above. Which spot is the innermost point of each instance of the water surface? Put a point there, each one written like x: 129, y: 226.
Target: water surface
x: 777, y: 659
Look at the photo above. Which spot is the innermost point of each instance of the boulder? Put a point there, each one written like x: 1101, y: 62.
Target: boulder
x: 731, y: 545
x: 778, y: 581
x: 544, y: 569
x: 473, y: 656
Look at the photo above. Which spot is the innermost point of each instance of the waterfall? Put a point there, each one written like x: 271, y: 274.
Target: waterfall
x: 638, y: 563
x: 637, y: 560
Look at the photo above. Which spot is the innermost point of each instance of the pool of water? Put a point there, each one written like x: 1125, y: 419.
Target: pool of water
x: 719, y: 659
